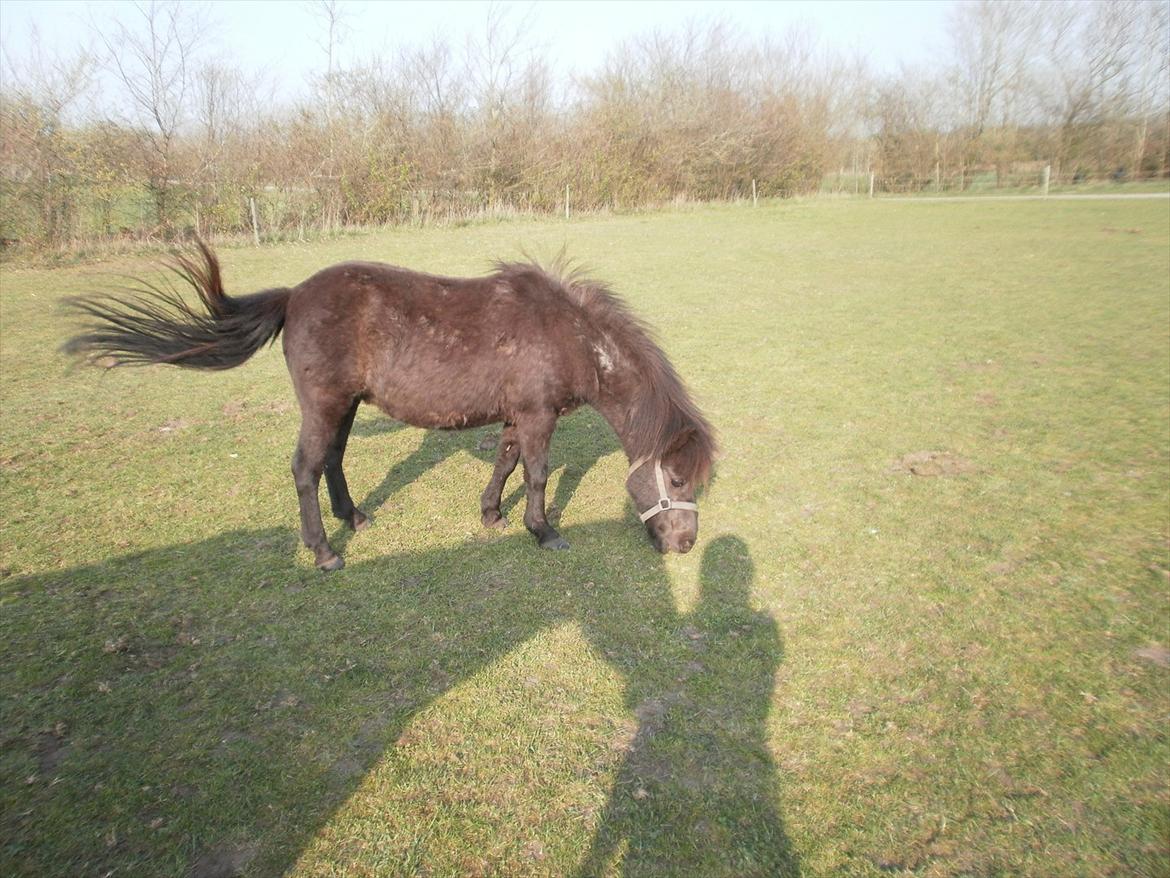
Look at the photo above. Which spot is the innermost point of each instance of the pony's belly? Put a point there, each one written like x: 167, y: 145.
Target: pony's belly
x: 442, y: 409
x: 437, y: 385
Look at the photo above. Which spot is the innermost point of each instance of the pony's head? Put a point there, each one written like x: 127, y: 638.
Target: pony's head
x: 670, y: 444
x: 663, y: 490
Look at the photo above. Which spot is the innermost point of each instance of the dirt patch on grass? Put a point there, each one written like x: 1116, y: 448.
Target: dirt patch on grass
x: 1003, y: 569
x: 364, y: 749
x: 1157, y: 654
x: 276, y: 407
x: 224, y: 861
x: 174, y: 425
x: 283, y: 699
x: 934, y: 463
x: 51, y: 750
x: 981, y: 365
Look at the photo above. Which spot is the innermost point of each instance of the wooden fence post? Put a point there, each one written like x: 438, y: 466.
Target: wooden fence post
x: 755, y: 200
x: 566, y: 201
x: 255, y: 225
x: 1045, y: 178
x: 871, y: 184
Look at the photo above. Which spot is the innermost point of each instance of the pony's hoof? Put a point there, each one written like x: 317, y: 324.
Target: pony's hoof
x: 554, y: 542
x: 333, y: 562
x: 359, y: 521
x: 494, y: 520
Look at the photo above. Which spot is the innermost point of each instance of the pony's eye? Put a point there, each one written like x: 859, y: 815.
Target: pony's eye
x: 678, y: 483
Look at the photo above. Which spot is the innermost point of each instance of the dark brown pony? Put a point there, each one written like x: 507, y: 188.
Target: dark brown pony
x: 521, y: 345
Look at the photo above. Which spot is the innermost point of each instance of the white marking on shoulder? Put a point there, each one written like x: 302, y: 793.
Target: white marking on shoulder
x: 603, y: 358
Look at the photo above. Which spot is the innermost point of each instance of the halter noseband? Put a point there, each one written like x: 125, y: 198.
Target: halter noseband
x: 664, y: 502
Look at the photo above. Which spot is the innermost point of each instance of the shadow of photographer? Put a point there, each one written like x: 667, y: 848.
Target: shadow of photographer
x: 207, y: 708
x: 696, y: 793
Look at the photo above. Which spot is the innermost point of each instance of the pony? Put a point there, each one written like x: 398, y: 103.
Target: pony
x: 522, y: 345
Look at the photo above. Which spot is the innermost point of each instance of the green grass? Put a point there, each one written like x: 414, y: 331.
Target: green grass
x: 860, y: 670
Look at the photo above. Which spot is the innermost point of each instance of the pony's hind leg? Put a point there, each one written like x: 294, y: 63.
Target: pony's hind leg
x: 534, y: 434
x: 339, y: 499
x: 318, y: 431
x: 489, y: 501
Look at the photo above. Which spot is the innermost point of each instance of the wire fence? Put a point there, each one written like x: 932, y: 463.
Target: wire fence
x: 77, y: 214
x: 85, y: 212
x: 1038, y: 179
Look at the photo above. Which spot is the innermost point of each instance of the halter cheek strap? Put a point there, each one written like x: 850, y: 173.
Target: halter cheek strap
x: 664, y: 502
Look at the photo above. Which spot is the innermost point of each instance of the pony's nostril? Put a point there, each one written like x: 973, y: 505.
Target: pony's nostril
x: 686, y: 545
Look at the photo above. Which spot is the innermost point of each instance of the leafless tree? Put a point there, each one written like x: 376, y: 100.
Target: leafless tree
x: 220, y: 94
x: 991, y: 43
x: 332, y: 16
x: 1150, y: 81
x: 1087, y: 49
x: 153, y: 57
x: 41, y: 90
x: 495, y: 56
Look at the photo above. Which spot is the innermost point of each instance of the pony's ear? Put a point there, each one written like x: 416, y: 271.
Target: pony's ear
x: 680, y: 440
x: 691, y: 453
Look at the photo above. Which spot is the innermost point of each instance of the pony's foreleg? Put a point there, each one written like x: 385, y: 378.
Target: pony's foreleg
x: 339, y: 498
x: 489, y: 501
x: 534, y: 435
x: 307, y: 465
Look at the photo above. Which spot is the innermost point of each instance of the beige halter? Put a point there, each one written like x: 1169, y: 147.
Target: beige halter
x: 664, y: 501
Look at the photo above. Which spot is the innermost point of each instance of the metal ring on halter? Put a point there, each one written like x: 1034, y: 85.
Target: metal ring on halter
x: 664, y: 502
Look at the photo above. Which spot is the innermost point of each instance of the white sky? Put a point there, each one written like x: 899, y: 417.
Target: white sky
x: 281, y: 37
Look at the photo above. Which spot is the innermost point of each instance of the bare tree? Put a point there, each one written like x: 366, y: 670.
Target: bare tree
x: 1150, y: 79
x: 220, y: 93
x: 495, y: 58
x: 331, y: 14
x: 40, y: 92
x: 495, y: 55
x: 904, y: 113
x: 1087, y: 49
x: 153, y: 58
x: 991, y: 44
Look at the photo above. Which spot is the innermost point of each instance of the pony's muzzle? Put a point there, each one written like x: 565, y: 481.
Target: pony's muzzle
x: 672, y: 535
x: 666, y: 546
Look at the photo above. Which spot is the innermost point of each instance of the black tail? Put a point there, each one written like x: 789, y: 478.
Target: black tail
x: 153, y: 324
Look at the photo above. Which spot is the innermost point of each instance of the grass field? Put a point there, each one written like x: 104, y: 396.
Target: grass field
x: 924, y: 632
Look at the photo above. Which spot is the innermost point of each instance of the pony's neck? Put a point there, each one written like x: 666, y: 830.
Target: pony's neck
x: 638, y: 391
x: 615, y: 414
x: 621, y: 395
